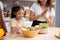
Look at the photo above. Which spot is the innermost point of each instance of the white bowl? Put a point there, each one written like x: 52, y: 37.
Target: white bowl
x: 57, y: 35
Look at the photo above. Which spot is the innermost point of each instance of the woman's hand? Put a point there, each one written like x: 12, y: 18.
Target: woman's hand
x: 33, y: 17
x: 49, y: 20
x: 44, y: 12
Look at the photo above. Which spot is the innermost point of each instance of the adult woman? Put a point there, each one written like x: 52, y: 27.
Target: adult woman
x: 42, y: 12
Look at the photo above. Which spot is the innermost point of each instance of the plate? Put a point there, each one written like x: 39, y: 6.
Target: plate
x: 57, y: 35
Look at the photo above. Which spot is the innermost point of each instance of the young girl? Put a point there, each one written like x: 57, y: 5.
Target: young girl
x: 17, y: 20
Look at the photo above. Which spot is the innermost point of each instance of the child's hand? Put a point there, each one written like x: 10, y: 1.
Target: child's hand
x: 15, y: 29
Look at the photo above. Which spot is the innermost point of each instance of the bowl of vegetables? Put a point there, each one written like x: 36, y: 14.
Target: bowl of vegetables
x: 44, y: 28
x: 30, y: 31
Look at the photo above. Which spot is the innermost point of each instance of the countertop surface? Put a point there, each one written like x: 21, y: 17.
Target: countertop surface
x: 48, y: 36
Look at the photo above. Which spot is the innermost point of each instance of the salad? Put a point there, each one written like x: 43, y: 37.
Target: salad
x: 43, y: 25
x: 31, y: 28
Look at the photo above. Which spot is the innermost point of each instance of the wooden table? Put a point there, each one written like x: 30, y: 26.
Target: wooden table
x: 48, y: 36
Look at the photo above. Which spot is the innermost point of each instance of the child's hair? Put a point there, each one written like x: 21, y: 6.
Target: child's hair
x: 15, y: 9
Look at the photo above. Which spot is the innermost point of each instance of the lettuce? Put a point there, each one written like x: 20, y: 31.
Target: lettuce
x: 43, y: 25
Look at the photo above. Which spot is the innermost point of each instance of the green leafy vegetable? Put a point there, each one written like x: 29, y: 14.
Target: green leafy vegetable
x: 43, y: 25
x: 59, y: 33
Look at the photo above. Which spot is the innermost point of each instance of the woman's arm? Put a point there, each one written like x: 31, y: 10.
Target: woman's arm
x: 33, y: 17
x: 50, y: 20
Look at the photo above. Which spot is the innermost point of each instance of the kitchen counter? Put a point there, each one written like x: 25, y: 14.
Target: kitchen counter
x: 49, y: 36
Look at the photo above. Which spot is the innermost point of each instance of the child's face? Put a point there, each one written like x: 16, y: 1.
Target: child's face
x: 20, y: 14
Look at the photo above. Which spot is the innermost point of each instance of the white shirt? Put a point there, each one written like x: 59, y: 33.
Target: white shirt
x: 1, y: 6
x: 36, y: 8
